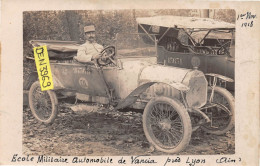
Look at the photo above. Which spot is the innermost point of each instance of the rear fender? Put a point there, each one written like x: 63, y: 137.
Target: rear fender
x: 132, y: 97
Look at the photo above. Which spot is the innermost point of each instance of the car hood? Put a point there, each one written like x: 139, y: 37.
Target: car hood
x: 161, y: 73
x: 150, y: 72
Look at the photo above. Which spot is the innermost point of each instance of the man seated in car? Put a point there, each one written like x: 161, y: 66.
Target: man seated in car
x: 89, y: 50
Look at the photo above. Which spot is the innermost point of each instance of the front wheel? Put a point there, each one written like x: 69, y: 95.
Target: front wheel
x: 167, y: 125
x: 222, y: 113
x: 43, y: 104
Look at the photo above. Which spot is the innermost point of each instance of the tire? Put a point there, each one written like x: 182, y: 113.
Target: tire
x: 38, y: 100
x: 221, y: 118
x: 160, y: 113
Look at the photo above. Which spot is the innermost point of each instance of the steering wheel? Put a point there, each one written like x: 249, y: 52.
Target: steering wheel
x: 107, y: 56
x: 223, y: 49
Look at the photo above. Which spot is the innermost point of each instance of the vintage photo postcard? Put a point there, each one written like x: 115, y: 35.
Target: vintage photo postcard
x: 129, y: 83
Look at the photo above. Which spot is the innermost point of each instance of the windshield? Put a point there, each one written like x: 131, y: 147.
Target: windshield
x: 212, y: 37
x: 135, y: 45
x: 216, y: 39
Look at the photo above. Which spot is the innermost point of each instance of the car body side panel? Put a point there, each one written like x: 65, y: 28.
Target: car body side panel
x: 217, y: 64
x: 128, y: 77
x: 111, y: 77
x: 82, y: 78
x: 209, y: 63
x: 182, y: 60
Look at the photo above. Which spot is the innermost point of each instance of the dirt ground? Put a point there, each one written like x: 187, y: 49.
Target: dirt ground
x: 105, y: 132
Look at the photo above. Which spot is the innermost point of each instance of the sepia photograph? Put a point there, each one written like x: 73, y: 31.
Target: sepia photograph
x: 142, y: 82
x: 159, y: 82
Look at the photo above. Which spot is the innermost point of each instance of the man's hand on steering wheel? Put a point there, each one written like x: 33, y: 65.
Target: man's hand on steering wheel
x: 106, y: 56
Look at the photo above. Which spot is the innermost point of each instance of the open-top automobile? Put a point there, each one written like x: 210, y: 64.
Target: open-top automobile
x: 179, y: 39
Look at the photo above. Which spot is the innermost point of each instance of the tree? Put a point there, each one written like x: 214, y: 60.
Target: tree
x: 73, y: 20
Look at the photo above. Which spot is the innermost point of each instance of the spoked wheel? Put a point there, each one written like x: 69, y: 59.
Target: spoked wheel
x: 222, y: 113
x: 43, y: 104
x: 167, y: 125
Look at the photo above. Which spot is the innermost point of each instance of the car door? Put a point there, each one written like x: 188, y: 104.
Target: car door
x: 221, y: 64
x: 82, y: 78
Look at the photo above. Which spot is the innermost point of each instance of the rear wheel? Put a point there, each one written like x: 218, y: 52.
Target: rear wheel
x: 167, y: 125
x: 222, y: 114
x: 43, y: 104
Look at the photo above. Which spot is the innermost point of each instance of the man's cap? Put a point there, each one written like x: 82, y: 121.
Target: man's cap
x: 89, y: 28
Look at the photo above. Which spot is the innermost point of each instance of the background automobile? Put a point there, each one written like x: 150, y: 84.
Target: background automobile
x: 180, y: 39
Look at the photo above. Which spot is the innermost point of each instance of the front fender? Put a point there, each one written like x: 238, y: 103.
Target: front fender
x: 227, y: 79
x: 132, y: 97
